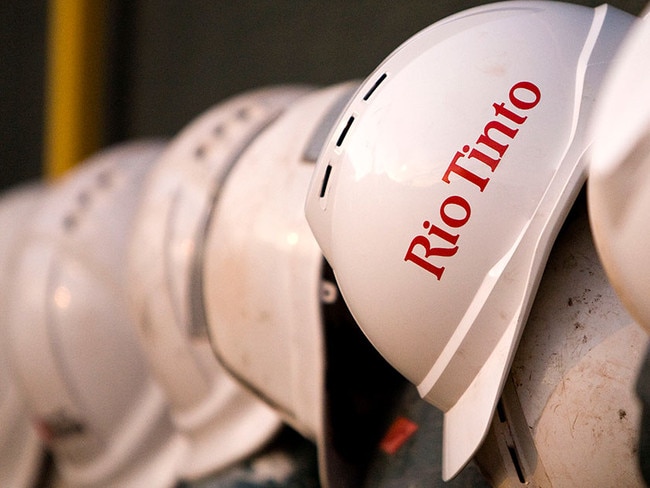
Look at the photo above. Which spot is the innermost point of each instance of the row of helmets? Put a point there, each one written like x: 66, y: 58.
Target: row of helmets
x: 121, y: 276
x: 171, y: 304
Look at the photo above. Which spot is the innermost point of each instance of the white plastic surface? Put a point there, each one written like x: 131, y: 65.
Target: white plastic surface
x: 619, y: 178
x: 220, y: 421
x: 574, y: 378
x: 263, y: 272
x: 21, y: 451
x: 71, y: 340
x: 443, y: 185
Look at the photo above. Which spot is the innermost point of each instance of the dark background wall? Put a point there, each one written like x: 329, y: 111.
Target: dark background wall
x: 171, y: 60
x: 22, y: 58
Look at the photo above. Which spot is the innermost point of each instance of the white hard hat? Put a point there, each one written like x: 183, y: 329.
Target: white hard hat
x: 272, y: 311
x: 221, y: 421
x: 72, y: 345
x: 21, y: 452
x: 619, y: 199
x: 568, y: 415
x: 619, y: 177
x: 441, y: 189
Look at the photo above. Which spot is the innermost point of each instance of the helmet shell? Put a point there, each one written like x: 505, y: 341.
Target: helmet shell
x: 21, y: 451
x: 618, y: 191
x: 221, y: 421
x: 268, y: 299
x: 443, y: 185
x: 568, y: 415
x: 70, y: 336
x: 619, y: 175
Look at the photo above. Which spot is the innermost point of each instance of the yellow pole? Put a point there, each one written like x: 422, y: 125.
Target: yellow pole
x: 75, y: 95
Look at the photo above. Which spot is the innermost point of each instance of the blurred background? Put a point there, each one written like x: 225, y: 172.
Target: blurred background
x: 81, y: 74
x: 78, y: 75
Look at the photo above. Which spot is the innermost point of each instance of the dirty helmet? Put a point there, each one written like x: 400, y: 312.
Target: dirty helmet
x: 619, y: 173
x: 568, y: 414
x: 618, y: 195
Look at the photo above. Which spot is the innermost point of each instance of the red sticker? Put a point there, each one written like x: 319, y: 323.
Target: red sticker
x: 398, y: 433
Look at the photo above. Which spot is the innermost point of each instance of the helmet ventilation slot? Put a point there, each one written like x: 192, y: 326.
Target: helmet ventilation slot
x: 344, y: 133
x: 516, y: 464
x: 374, y: 87
x: 512, y: 451
x: 326, y: 179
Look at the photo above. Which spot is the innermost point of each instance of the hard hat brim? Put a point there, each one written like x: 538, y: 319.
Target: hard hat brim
x: 505, y: 299
x: 467, y: 423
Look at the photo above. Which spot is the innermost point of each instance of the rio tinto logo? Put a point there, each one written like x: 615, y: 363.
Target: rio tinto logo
x: 455, y: 211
